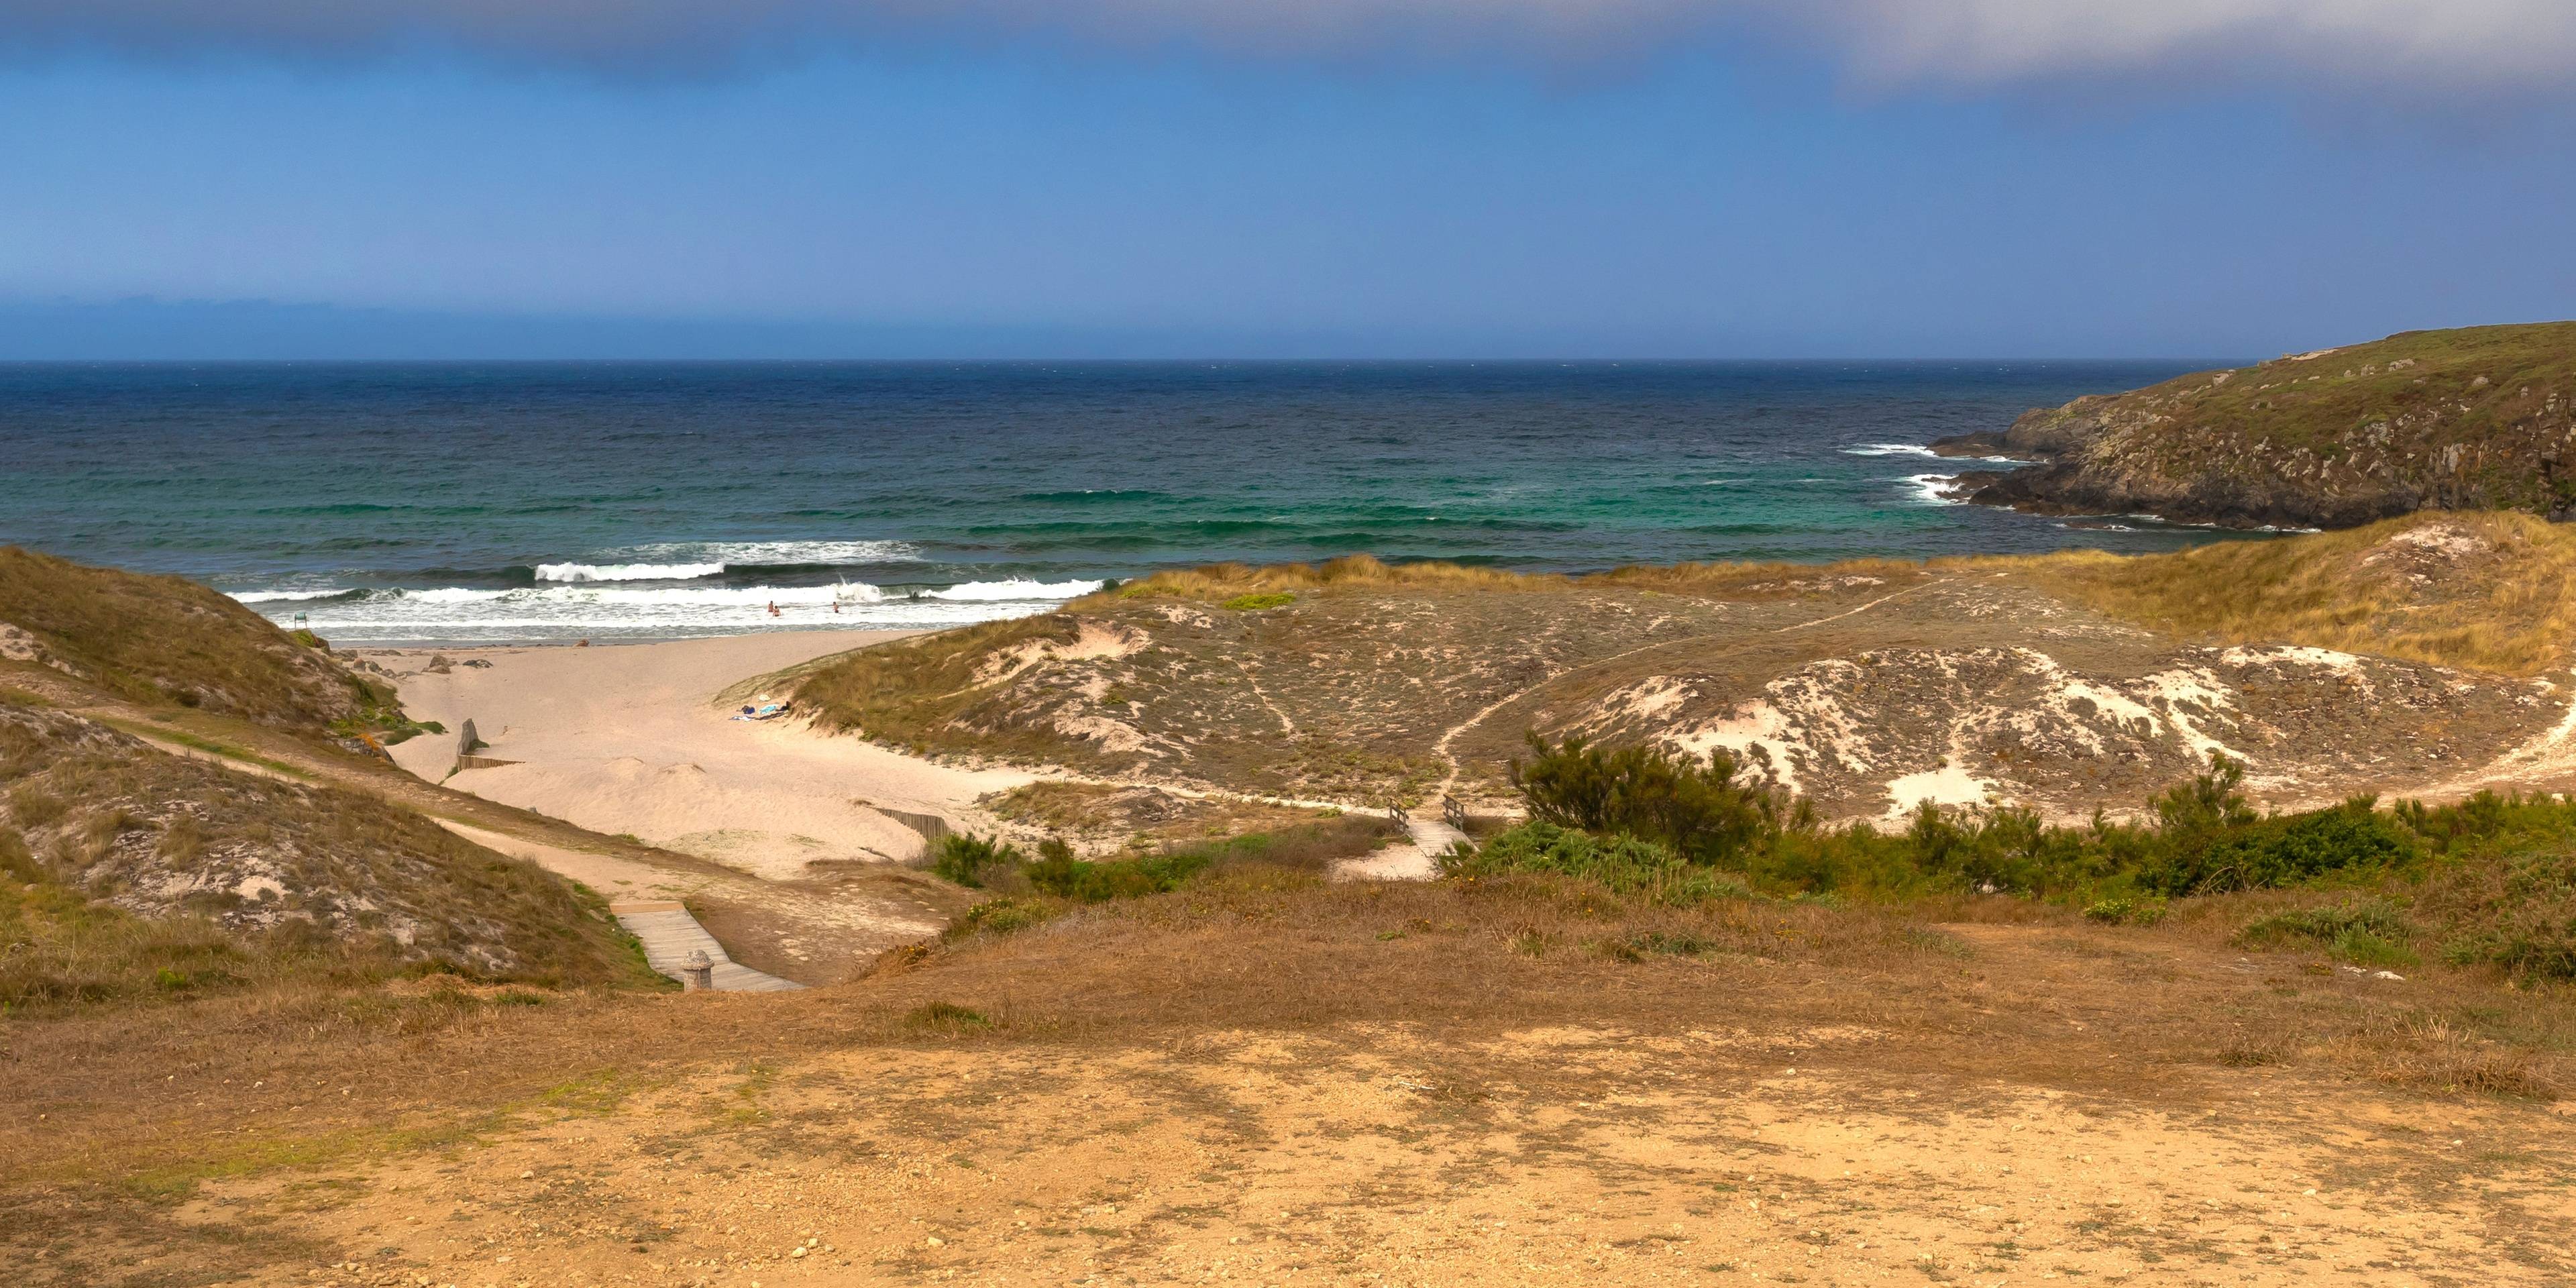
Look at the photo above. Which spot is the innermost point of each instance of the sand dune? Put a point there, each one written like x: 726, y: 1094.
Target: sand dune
x: 627, y: 739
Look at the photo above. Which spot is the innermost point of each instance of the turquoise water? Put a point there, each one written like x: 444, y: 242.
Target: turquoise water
x: 452, y: 503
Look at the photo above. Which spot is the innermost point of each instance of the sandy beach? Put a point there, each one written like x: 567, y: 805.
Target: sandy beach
x: 628, y: 739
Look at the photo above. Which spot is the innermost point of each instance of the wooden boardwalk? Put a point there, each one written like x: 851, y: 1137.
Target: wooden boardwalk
x: 1435, y: 837
x: 670, y: 934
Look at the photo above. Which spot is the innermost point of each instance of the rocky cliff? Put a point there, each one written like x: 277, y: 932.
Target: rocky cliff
x: 2481, y: 418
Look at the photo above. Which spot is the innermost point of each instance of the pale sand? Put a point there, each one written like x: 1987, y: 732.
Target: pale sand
x: 626, y: 739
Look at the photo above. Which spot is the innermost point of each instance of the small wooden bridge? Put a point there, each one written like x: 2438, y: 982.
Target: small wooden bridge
x: 671, y: 937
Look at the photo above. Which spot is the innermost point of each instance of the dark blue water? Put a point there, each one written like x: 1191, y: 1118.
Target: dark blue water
x: 456, y: 502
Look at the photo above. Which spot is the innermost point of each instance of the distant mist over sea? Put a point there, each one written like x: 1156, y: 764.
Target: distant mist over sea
x: 479, y: 502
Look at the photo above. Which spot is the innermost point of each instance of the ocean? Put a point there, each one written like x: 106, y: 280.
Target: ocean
x: 455, y: 503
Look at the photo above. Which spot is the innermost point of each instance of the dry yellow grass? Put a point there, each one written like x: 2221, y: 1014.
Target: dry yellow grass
x: 1264, y: 1059
x: 1728, y: 580
x: 1769, y: 580
x: 133, y: 873
x: 2487, y: 590
x: 1227, y: 580
x: 166, y: 640
x: 2491, y: 591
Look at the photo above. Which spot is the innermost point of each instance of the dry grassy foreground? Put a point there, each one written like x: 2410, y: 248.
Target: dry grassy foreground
x: 1271, y: 1080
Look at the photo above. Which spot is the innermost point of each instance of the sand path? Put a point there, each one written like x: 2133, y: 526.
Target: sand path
x: 625, y: 739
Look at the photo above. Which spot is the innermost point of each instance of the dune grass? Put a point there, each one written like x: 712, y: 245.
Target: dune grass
x: 168, y: 641
x: 905, y: 691
x: 1259, y: 587
x: 1032, y: 892
x: 2491, y: 591
x: 135, y: 873
x: 2488, y: 590
x: 1244, y: 587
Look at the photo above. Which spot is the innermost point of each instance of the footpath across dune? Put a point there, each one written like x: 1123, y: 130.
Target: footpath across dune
x: 629, y: 739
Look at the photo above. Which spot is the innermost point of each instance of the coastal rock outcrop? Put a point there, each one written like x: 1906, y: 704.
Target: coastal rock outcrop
x: 2483, y: 418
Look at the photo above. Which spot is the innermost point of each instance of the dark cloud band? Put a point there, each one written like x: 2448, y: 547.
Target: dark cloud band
x: 2419, y: 43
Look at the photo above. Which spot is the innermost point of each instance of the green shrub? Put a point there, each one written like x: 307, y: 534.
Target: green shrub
x: 1256, y: 603
x: 2367, y: 933
x: 1624, y: 864
x: 1653, y: 943
x: 2515, y: 911
x: 947, y: 1017
x: 1087, y: 881
x: 2283, y: 850
x: 1005, y: 916
x: 2123, y: 911
x: 2499, y: 872
x: 2207, y: 803
x: 1695, y: 810
x: 968, y: 859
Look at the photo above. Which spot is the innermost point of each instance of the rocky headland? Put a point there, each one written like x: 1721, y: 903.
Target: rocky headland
x: 2477, y: 419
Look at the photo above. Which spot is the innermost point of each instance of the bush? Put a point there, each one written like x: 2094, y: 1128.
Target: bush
x: 967, y: 859
x: 1643, y: 944
x: 1087, y: 881
x: 1697, y: 811
x: 2515, y: 911
x: 1256, y: 603
x: 2498, y: 872
x: 1624, y: 864
x: 2283, y: 850
x: 2367, y: 933
x: 1004, y: 917
x: 2126, y: 912
x: 946, y: 1017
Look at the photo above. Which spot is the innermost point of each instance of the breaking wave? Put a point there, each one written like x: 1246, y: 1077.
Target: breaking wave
x: 567, y: 610
x: 627, y: 572
x: 1934, y: 489
x: 765, y: 554
x: 290, y: 596
x: 1015, y: 588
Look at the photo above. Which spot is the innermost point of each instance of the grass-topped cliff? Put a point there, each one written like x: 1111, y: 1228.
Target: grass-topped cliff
x: 2479, y: 418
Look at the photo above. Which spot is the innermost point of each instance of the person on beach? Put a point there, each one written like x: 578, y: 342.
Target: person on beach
x: 773, y: 608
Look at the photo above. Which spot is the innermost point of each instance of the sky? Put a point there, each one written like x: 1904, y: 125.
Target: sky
x: 1297, y: 178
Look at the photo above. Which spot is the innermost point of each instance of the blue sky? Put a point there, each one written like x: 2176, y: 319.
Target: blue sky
x: 1670, y: 187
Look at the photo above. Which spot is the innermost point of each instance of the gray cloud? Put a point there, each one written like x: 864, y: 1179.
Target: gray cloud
x: 2417, y: 44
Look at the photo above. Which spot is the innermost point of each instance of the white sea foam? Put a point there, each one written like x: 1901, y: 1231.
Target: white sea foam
x: 1015, y: 588
x: 280, y: 596
x: 627, y: 572
x: 743, y: 553
x: 459, y: 614
x: 1932, y: 489
x: 1889, y: 449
